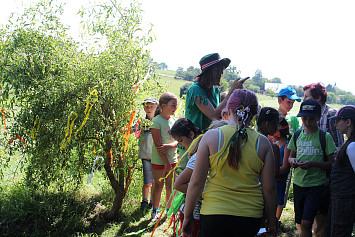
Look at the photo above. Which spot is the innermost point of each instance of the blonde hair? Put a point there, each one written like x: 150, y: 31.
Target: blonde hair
x: 164, y: 99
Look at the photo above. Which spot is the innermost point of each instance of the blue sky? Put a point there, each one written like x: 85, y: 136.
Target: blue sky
x: 300, y: 42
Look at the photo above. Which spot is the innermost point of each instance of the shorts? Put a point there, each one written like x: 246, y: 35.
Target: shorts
x: 148, y: 176
x: 227, y: 225
x: 161, y: 167
x: 341, y: 216
x: 307, y: 202
x: 280, y: 188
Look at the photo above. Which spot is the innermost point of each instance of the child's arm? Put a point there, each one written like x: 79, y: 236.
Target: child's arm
x: 268, y: 184
x: 322, y: 165
x: 165, y: 147
x: 182, y: 180
x: 285, y: 165
x: 276, y: 151
x: 157, y: 142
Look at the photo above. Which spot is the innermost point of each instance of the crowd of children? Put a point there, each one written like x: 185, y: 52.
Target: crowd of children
x: 238, y: 170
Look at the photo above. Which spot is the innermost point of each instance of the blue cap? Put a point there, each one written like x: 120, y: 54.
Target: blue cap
x: 290, y: 93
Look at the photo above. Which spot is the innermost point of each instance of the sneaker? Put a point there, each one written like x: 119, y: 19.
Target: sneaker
x: 154, y: 216
x: 150, y: 205
x: 144, y: 204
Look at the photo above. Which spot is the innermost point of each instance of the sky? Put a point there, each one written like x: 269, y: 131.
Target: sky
x: 300, y: 42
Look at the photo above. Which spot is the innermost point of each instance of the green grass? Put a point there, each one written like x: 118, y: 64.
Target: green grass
x: 173, y: 85
x: 170, y: 73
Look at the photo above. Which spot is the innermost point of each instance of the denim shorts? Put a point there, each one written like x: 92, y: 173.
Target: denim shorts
x: 307, y: 202
x: 148, y: 176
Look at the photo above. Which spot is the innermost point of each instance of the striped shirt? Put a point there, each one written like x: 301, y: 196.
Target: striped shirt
x: 329, y: 125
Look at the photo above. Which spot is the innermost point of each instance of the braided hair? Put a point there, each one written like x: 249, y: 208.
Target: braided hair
x: 244, y: 104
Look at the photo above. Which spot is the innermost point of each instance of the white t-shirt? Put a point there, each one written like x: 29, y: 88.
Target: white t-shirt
x: 191, y: 162
x: 350, y: 151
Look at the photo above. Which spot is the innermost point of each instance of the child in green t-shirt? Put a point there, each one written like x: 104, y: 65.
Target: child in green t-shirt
x: 286, y: 98
x: 145, y: 152
x: 310, y: 166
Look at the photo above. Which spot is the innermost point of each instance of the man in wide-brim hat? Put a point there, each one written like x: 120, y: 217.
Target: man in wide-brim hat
x: 202, y: 99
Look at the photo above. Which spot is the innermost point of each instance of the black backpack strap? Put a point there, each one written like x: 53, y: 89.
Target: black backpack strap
x: 323, y: 142
x: 296, y: 135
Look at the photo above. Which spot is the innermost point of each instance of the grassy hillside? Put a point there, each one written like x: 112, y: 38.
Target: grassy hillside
x: 173, y: 86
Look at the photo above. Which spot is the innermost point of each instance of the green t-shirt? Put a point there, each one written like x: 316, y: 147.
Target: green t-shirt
x: 184, y: 157
x: 294, y: 123
x: 192, y: 112
x: 164, y: 126
x: 309, y: 148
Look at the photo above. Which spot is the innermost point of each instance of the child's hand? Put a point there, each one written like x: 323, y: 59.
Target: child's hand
x: 305, y: 164
x: 163, y: 148
x: 294, y: 163
x: 187, y: 224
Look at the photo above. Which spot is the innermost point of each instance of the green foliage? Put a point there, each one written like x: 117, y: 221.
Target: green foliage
x: 271, y: 93
x: 188, y: 75
x: 299, y: 90
x: 184, y: 88
x: 274, y: 80
x: 231, y: 73
x: 27, y: 213
x: 53, y: 83
x: 347, y: 99
x: 331, y: 98
x: 258, y: 80
x: 253, y: 88
x: 162, y: 66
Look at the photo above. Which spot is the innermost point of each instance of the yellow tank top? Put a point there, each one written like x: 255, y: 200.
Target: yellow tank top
x: 234, y: 192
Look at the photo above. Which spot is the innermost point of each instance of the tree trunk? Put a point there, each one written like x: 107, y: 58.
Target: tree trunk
x: 118, y: 186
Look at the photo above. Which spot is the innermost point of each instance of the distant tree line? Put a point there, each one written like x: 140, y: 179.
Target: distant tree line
x: 257, y: 84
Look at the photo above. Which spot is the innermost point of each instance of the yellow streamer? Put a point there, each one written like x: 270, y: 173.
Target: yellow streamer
x: 182, y: 103
x: 69, y: 130
x: 177, y: 165
x: 87, y: 109
x: 33, y: 133
x: 127, y: 132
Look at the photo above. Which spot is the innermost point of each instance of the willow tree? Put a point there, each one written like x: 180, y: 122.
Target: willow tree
x: 69, y: 98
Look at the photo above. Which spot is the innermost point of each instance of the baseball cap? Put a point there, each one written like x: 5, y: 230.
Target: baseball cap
x: 309, y: 108
x: 290, y: 93
x: 150, y: 100
x: 345, y: 112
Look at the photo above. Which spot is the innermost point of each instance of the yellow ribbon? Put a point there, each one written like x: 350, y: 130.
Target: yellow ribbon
x: 182, y: 103
x: 33, y: 133
x: 3, y: 117
x: 69, y: 130
x: 177, y: 165
x: 87, y: 109
x: 127, y: 132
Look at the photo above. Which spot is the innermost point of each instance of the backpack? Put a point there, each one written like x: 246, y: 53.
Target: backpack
x: 321, y: 139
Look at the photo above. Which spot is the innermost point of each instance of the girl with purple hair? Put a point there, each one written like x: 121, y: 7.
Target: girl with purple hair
x: 233, y: 200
